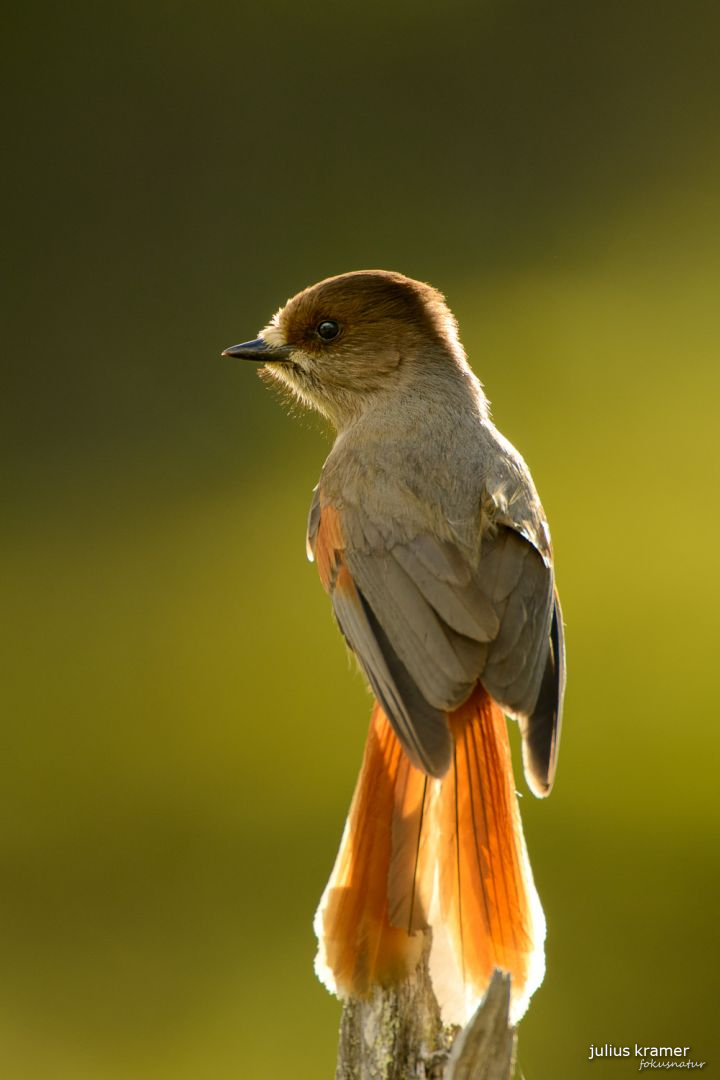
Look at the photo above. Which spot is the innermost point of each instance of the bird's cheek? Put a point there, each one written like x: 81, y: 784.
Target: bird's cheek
x: 394, y: 359
x: 301, y: 361
x: 330, y: 369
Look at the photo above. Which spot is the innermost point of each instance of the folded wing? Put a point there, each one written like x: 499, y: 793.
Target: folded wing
x: 426, y: 625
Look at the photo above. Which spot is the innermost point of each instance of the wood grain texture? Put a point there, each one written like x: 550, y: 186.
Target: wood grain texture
x: 397, y: 1034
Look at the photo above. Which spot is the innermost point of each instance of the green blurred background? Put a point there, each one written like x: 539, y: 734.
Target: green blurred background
x: 181, y: 726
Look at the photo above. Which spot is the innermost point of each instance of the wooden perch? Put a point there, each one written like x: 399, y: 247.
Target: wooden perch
x: 397, y: 1034
x: 485, y: 1049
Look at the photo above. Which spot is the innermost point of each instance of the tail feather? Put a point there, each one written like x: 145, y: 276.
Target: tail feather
x: 359, y: 944
x: 486, y: 901
x: 410, y: 877
x: 445, y: 854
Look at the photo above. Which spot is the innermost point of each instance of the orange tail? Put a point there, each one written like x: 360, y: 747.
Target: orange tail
x: 444, y: 854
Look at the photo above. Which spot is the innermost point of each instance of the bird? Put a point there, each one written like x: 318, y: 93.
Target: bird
x: 433, y: 546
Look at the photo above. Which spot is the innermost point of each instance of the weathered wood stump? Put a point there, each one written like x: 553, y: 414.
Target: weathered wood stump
x: 397, y: 1034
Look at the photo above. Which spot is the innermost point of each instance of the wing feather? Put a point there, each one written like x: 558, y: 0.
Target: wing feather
x: 414, y: 629
x: 458, y: 600
x: 427, y: 624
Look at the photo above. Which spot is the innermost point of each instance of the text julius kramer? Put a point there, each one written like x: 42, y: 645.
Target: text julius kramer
x: 657, y: 1052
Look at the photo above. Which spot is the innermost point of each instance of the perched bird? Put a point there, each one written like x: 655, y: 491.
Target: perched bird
x: 432, y: 544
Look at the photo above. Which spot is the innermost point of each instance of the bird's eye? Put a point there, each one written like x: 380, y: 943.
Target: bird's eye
x: 328, y: 329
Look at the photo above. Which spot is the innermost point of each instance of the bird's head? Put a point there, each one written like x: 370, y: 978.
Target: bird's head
x: 339, y: 344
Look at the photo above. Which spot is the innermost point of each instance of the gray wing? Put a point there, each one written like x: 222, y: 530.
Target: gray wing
x: 541, y: 728
x: 441, y: 625
x: 422, y: 729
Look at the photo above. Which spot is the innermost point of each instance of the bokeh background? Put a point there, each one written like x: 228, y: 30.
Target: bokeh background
x: 181, y: 725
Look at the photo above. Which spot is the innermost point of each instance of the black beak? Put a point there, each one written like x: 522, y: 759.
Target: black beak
x: 259, y: 350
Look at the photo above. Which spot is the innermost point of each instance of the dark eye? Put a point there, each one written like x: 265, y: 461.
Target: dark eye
x: 328, y: 329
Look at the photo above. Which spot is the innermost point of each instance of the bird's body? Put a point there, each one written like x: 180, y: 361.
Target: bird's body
x: 437, y: 444
x: 433, y: 545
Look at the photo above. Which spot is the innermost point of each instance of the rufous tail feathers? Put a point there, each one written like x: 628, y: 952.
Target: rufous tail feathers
x: 448, y: 855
